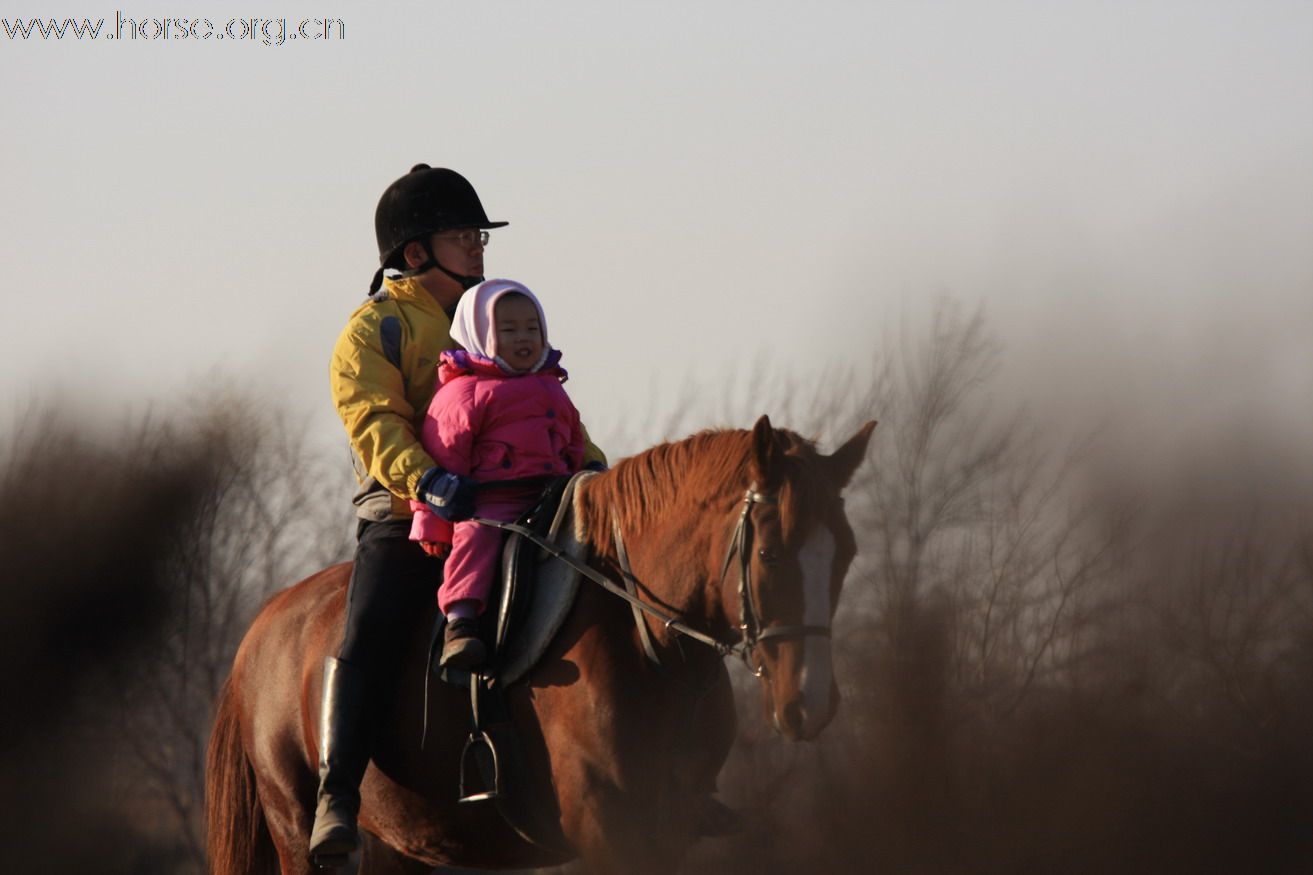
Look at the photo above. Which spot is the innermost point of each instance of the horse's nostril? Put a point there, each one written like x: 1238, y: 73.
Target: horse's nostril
x: 794, y: 718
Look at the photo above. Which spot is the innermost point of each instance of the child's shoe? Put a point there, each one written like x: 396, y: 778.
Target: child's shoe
x: 462, y: 647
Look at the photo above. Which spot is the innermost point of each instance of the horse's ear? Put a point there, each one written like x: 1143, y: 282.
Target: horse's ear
x: 766, y: 452
x: 843, y: 463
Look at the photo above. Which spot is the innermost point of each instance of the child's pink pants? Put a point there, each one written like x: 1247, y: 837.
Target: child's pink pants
x: 476, y: 549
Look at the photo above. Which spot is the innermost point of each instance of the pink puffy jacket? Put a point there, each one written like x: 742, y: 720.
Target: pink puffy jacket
x: 488, y: 425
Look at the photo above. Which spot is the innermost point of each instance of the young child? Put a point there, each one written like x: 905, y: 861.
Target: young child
x: 500, y: 413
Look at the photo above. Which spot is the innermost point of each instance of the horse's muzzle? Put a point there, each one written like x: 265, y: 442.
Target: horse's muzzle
x: 796, y: 723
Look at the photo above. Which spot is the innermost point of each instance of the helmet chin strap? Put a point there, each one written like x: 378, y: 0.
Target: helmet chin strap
x: 466, y: 282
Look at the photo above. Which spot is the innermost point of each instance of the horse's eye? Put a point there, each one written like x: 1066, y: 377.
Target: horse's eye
x: 767, y: 555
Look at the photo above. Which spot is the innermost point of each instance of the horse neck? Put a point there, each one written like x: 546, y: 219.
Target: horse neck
x: 672, y: 546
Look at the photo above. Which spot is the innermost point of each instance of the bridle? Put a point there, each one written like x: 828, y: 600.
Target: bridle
x: 751, y: 629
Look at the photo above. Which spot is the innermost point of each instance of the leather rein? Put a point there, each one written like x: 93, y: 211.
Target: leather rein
x: 751, y: 628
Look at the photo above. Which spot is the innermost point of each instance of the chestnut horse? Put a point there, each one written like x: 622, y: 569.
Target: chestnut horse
x: 740, y: 534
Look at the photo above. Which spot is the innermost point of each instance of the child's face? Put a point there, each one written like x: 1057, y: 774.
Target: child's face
x: 519, y: 336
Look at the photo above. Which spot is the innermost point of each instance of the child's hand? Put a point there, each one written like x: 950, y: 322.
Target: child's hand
x: 435, y: 548
x: 448, y: 495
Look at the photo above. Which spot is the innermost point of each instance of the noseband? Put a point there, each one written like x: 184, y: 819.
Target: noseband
x: 751, y: 629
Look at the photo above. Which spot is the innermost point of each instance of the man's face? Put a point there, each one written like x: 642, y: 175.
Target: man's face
x: 460, y: 250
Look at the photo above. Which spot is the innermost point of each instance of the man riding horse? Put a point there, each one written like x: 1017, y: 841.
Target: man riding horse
x: 432, y: 231
x: 734, y: 540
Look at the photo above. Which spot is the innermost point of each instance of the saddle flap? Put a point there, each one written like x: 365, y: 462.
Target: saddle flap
x: 516, y: 571
x: 543, y: 591
x: 519, y: 562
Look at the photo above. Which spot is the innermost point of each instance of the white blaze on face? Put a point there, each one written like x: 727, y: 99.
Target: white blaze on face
x: 817, y: 559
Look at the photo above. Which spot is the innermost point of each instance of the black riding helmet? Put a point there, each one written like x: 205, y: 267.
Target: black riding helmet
x: 423, y: 202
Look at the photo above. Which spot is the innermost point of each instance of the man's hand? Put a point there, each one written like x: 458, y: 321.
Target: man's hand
x: 450, y: 496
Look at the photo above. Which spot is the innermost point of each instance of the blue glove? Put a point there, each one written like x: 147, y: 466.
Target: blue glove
x: 596, y: 466
x: 450, y: 496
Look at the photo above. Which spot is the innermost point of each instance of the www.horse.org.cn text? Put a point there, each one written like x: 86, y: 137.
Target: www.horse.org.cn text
x: 267, y: 31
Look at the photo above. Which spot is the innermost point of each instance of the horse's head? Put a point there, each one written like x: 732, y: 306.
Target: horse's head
x: 795, y: 546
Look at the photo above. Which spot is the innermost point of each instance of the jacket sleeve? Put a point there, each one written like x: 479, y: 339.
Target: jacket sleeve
x: 576, y: 451
x: 370, y: 395
x: 426, y: 525
x: 453, y: 421
x: 581, y: 449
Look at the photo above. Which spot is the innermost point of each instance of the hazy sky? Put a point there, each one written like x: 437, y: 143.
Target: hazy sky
x: 1126, y: 187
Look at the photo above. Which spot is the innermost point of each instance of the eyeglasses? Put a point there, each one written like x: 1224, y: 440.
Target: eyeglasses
x: 466, y: 239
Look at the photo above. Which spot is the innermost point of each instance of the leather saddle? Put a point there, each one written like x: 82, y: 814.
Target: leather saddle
x: 533, y: 594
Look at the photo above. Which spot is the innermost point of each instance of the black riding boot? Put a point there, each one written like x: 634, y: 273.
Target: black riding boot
x: 343, y: 755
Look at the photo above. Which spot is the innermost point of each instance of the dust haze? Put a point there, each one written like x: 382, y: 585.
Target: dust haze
x: 1070, y: 642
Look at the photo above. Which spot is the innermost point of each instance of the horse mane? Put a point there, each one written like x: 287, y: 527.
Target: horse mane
x: 699, y: 471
